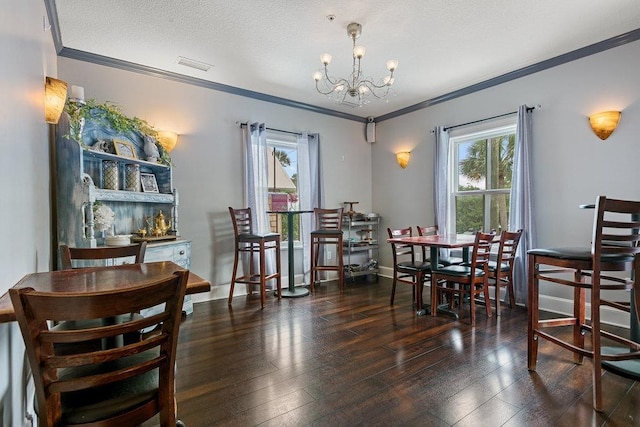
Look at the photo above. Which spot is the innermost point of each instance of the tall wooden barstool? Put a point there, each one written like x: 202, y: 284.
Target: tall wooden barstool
x: 247, y: 242
x: 328, y: 231
x: 615, y: 247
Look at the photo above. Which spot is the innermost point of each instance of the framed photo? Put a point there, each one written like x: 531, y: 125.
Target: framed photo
x: 149, y: 183
x: 124, y: 149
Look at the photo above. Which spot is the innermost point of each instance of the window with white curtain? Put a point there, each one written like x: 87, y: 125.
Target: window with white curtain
x: 480, y: 176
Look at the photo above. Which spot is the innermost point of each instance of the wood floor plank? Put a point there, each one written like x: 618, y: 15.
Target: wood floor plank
x: 343, y: 359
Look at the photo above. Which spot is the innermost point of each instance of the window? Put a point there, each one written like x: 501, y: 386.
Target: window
x: 480, y: 179
x: 283, y: 177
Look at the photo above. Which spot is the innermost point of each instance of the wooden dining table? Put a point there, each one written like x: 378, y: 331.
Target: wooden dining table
x: 99, y: 278
x: 435, y: 243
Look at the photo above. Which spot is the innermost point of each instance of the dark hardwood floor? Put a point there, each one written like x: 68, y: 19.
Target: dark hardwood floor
x: 333, y: 359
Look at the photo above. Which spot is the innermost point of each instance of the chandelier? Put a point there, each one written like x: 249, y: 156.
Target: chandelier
x: 354, y: 90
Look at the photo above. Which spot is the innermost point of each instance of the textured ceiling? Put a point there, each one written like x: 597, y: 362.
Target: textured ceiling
x: 273, y: 46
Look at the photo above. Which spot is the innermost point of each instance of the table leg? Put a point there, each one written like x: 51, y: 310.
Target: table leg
x: 292, y: 291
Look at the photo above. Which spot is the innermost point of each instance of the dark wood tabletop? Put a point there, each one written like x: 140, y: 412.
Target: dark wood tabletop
x: 450, y: 241
x: 99, y: 278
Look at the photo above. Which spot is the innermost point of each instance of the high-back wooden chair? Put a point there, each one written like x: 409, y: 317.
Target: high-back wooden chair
x: 615, y: 246
x: 405, y: 267
x: 461, y: 280
x: 432, y: 230
x: 328, y: 231
x: 78, y: 257
x: 501, y: 270
x: 117, y: 386
x: 252, y: 244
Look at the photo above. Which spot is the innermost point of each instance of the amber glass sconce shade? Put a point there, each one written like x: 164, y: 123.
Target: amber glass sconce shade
x: 167, y: 139
x: 603, y: 124
x: 55, y: 96
x: 403, y: 158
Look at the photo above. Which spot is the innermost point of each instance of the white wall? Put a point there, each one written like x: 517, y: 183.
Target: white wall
x: 28, y: 56
x: 208, y: 157
x: 571, y: 166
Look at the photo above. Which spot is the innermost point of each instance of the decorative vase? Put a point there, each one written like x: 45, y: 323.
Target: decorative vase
x: 110, y: 179
x: 132, y: 177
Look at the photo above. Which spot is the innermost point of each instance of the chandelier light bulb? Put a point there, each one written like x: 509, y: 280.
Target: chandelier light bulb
x: 392, y: 64
x: 317, y: 76
x: 339, y: 88
x: 359, y: 51
x: 325, y: 58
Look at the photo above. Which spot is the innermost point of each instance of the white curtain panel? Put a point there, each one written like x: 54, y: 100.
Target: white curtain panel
x: 256, y: 183
x: 520, y: 209
x: 309, y: 190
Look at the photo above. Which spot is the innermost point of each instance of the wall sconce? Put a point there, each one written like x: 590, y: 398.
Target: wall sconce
x: 55, y: 95
x: 603, y: 124
x: 167, y: 139
x: 403, y: 158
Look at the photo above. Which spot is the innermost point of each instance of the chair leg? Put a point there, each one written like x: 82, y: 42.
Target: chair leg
x: 314, y: 262
x: 393, y: 289
x: 485, y: 289
x: 533, y: 315
x: 340, y: 263
x: 418, y: 291
x: 497, y: 294
x: 509, y: 289
x: 596, y: 346
x: 278, y: 270
x: 472, y: 305
x: 263, y: 282
x: 233, y: 276
x: 579, y: 313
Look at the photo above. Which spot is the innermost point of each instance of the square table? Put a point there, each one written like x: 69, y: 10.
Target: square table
x: 437, y: 242
x: 103, y: 278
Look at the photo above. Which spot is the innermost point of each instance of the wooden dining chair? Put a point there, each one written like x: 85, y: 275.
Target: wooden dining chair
x: 249, y: 243
x: 405, y: 267
x: 99, y: 256
x: 432, y: 230
x: 615, y: 247
x: 328, y: 231
x: 86, y: 257
x: 116, y: 386
x: 466, y: 280
x: 501, y: 270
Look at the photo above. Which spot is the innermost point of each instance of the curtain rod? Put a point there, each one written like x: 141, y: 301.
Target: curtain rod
x: 244, y: 125
x: 490, y: 118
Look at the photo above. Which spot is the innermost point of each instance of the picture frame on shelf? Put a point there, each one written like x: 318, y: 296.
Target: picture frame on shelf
x: 124, y: 149
x: 149, y: 183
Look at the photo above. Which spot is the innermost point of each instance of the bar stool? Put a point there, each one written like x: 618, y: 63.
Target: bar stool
x: 614, y: 248
x: 246, y: 241
x: 328, y: 231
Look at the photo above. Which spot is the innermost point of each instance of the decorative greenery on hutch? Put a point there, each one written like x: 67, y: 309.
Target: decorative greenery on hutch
x: 109, y: 114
